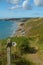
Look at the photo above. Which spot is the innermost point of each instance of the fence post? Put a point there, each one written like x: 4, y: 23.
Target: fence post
x: 9, y: 44
x: 8, y: 56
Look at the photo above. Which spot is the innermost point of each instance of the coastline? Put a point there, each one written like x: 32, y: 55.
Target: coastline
x: 15, y: 25
x: 19, y: 31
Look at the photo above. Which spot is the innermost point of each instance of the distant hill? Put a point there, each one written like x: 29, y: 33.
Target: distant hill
x: 13, y: 19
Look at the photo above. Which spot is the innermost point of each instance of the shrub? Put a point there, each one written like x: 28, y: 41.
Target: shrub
x: 24, y: 45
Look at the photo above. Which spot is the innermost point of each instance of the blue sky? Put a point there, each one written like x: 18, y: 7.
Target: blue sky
x: 20, y: 12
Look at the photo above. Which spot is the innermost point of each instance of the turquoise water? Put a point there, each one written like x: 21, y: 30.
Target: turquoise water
x: 7, y: 28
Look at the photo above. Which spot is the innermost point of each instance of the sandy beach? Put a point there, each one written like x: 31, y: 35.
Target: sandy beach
x: 20, y: 29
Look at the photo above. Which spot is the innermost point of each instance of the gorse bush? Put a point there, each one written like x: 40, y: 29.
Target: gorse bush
x: 24, y: 45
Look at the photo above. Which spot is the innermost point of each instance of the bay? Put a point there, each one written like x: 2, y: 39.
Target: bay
x: 7, y: 28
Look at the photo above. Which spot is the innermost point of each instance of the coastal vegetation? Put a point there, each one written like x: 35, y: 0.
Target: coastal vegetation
x: 29, y: 49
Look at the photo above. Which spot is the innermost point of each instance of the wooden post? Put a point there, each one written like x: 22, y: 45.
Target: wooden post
x: 8, y: 56
x: 9, y: 44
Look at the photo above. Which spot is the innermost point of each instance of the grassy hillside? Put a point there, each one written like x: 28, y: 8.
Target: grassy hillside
x: 16, y: 52
x: 34, y: 30
x: 34, y: 27
x: 29, y: 49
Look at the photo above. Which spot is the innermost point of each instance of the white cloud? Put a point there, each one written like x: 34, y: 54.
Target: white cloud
x: 14, y: 7
x: 13, y: 1
x: 38, y: 2
x: 26, y: 5
x: 11, y: 8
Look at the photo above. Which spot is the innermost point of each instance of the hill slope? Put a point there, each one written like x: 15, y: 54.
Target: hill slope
x: 34, y: 30
x: 34, y: 27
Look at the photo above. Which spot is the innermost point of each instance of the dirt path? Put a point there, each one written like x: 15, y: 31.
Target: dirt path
x: 34, y: 58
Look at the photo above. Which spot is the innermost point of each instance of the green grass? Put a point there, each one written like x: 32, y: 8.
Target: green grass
x: 18, y: 40
x: 37, y: 26
x: 36, y: 32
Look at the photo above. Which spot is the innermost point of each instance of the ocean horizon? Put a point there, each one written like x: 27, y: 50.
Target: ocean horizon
x: 7, y: 28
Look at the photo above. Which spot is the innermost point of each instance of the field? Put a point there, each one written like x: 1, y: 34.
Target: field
x: 29, y: 49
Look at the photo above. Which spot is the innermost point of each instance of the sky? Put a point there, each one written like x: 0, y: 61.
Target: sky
x: 21, y: 8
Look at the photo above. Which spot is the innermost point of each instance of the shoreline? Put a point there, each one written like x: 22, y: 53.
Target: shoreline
x: 17, y: 32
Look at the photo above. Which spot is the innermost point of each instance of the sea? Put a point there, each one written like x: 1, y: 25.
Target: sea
x: 7, y: 28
